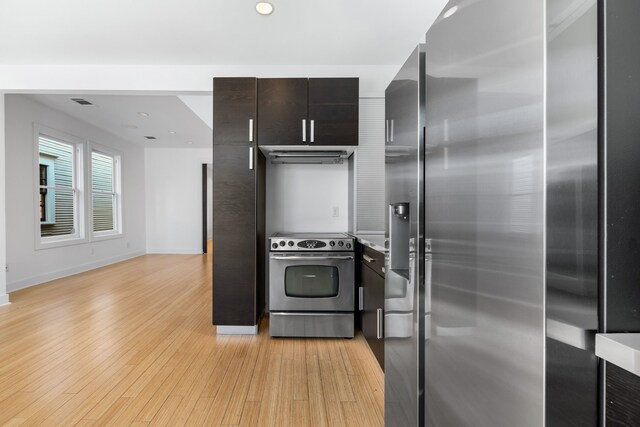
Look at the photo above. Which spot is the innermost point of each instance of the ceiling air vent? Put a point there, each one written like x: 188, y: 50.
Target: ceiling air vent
x: 82, y: 102
x: 151, y: 137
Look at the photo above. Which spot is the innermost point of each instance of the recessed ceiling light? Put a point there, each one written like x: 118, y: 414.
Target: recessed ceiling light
x: 264, y: 8
x: 189, y: 142
x: 172, y: 132
x: 151, y: 137
x: 450, y: 12
x: 143, y: 114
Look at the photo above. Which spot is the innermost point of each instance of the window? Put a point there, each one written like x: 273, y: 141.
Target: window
x: 59, y: 189
x: 47, y: 197
x: 105, y: 193
x: 78, y: 190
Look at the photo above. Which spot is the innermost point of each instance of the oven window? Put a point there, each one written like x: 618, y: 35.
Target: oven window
x: 311, y: 281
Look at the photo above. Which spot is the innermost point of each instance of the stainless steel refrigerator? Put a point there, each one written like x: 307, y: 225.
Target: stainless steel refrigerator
x: 492, y: 291
x: 404, y: 323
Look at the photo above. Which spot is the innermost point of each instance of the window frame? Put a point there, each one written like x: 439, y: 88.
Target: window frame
x: 78, y: 186
x: 50, y: 208
x: 118, y: 229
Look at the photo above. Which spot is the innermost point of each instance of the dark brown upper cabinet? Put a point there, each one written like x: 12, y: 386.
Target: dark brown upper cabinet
x: 333, y: 111
x: 282, y: 111
x: 322, y: 111
x: 234, y: 110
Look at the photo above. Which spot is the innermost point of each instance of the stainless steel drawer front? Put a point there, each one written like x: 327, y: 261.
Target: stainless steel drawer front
x: 339, y: 325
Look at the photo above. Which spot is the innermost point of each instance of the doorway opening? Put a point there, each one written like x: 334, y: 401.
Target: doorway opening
x: 207, y: 207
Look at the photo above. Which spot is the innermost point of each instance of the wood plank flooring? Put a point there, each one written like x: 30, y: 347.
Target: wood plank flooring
x: 132, y: 344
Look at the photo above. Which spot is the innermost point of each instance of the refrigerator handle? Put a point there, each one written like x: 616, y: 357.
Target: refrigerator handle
x: 304, y: 130
x: 250, y: 158
x: 312, y: 139
x: 427, y: 283
x: 250, y: 130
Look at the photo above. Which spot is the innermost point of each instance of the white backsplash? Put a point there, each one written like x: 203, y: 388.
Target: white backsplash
x: 305, y: 198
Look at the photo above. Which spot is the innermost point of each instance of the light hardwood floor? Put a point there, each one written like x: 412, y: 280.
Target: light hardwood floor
x: 133, y: 344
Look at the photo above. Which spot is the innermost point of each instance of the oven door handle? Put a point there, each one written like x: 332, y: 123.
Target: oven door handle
x: 311, y: 257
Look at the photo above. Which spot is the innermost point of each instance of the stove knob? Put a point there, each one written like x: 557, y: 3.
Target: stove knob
x: 332, y: 243
x: 282, y: 243
x: 274, y: 246
x: 348, y: 245
x: 340, y: 243
x: 290, y: 242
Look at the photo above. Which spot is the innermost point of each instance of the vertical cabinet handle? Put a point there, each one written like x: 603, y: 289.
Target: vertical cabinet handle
x: 304, y: 130
x: 313, y: 127
x: 250, y: 158
x: 386, y: 131
x: 250, y: 130
x: 391, y: 132
x: 361, y: 298
x: 379, y: 315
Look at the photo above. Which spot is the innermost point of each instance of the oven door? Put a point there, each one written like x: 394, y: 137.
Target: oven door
x: 311, y: 281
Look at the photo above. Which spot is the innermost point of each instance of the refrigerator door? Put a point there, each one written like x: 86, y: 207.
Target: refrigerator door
x: 484, y: 214
x: 572, y: 213
x: 404, y: 313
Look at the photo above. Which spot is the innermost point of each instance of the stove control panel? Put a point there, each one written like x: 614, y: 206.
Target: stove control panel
x: 311, y: 244
x: 322, y: 245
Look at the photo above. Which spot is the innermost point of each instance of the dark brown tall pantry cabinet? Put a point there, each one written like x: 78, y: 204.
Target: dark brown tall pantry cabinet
x: 238, y: 205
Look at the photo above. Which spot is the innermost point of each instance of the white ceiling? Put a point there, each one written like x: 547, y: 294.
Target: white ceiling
x: 221, y: 32
x: 118, y: 113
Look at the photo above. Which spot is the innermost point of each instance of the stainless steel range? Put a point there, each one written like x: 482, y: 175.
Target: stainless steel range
x: 311, y: 285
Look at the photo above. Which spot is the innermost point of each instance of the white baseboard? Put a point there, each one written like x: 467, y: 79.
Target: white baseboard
x: 4, y: 300
x: 176, y: 251
x: 236, y: 330
x: 43, y: 278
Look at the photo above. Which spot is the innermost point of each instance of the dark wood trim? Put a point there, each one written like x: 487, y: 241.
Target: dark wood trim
x: 261, y: 250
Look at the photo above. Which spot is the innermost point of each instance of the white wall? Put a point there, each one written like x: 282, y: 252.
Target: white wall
x: 27, y: 266
x: 173, y: 179
x: 4, y: 298
x: 300, y: 198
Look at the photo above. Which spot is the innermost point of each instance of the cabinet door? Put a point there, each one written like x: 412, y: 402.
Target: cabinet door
x: 234, y: 110
x: 373, y: 301
x: 234, y: 235
x: 333, y: 111
x: 282, y: 112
